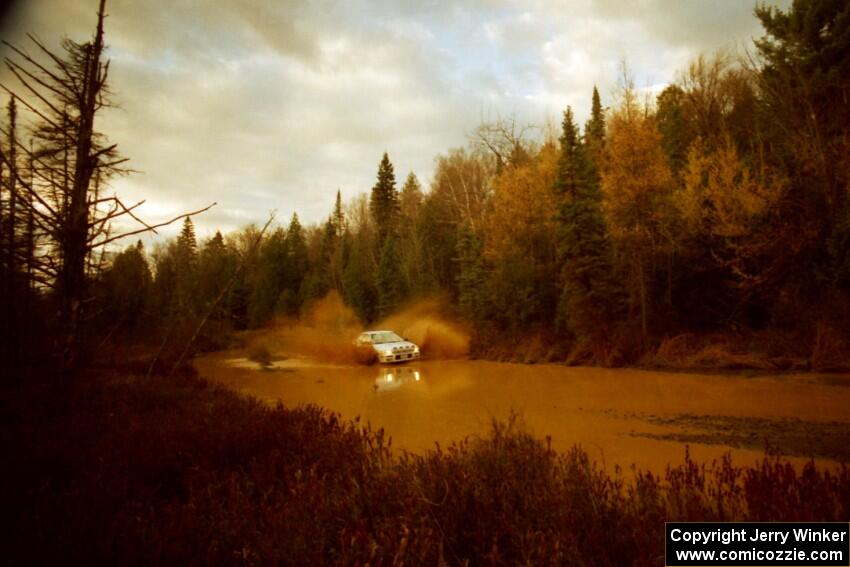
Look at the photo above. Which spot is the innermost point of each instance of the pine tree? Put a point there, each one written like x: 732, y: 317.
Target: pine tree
x: 337, y: 261
x: 389, y: 279
x: 187, y: 242
x: 297, y: 262
x: 410, y: 203
x: 187, y: 266
x: 383, y: 203
x: 269, y: 280
x: 670, y: 118
x: 338, y: 216
x: 573, y: 168
x: 591, y: 301
x: 320, y: 280
x: 594, y: 132
x: 128, y: 287
x: 216, y: 266
x: 410, y: 198
x: 471, y: 277
x: 358, y: 282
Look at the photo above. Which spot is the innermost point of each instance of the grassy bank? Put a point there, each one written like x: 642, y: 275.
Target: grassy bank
x: 822, y: 350
x: 133, y: 470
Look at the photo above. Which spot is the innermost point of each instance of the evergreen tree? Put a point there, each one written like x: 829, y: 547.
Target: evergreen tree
x: 297, y: 263
x: 591, y: 300
x: 389, y: 279
x: 411, y: 244
x: 670, y: 118
x: 410, y: 198
x: 269, y: 279
x: 594, y: 132
x: 216, y: 266
x: 358, y: 281
x: 573, y: 174
x: 127, y: 287
x: 187, y: 265
x: 804, y: 85
x: 383, y: 203
x: 165, y: 280
x: 186, y: 242
x: 471, y: 276
x: 338, y: 216
x: 320, y: 280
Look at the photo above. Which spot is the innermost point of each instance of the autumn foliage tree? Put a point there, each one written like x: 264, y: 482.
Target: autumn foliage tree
x: 636, y: 186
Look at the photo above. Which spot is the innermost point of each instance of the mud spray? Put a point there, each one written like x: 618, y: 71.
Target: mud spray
x: 423, y: 323
x: 327, y: 328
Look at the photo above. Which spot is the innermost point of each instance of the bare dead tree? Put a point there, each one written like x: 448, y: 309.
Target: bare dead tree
x: 70, y: 164
x: 505, y: 139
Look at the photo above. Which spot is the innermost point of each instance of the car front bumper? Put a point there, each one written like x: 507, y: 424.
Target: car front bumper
x: 398, y: 357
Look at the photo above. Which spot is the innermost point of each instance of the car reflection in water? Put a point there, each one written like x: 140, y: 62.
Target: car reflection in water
x: 393, y: 377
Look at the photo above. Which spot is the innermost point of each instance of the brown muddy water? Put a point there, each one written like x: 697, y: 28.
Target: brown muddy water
x: 620, y: 416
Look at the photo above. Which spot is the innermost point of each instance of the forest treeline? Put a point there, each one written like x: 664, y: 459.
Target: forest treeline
x: 719, y: 208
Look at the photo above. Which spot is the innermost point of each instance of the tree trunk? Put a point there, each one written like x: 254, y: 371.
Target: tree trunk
x: 643, y: 306
x: 74, y: 241
x: 13, y: 317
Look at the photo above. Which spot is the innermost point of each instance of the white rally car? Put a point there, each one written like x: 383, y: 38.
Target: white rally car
x: 388, y: 346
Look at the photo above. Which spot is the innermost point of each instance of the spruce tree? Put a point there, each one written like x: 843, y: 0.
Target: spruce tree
x: 471, y: 277
x: 187, y: 263
x: 389, y: 279
x: 411, y: 245
x: 187, y: 242
x: 298, y: 262
x: 591, y: 300
x: 320, y: 280
x: 269, y: 279
x: 670, y: 118
x: 383, y: 203
x: 336, y: 260
x: 127, y: 286
x: 358, y: 280
x: 216, y: 267
x: 594, y: 132
x: 410, y: 198
x: 573, y: 172
x: 338, y: 217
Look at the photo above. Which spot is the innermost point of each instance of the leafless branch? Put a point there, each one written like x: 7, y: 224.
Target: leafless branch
x: 149, y: 228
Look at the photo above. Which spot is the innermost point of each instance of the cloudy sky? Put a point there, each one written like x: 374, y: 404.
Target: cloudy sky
x: 265, y: 105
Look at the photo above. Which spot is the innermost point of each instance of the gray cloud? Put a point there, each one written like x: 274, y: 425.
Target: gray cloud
x: 263, y: 105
